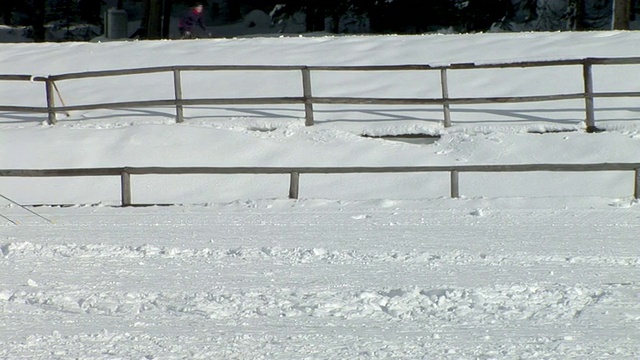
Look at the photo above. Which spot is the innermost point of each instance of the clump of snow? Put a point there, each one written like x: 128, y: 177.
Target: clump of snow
x: 257, y: 18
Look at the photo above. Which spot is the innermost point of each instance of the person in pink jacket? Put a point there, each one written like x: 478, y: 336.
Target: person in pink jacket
x: 190, y: 21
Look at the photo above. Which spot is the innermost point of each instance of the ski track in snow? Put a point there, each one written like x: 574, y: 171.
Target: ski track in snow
x: 311, y: 280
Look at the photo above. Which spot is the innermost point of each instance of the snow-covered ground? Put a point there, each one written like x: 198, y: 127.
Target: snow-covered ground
x: 328, y: 279
x: 532, y: 265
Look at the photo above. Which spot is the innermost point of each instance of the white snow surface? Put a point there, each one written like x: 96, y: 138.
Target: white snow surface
x: 362, y: 266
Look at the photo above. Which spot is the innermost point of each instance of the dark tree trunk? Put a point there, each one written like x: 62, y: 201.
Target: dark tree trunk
x: 315, y: 16
x: 309, y: 18
x: 231, y: 10
x: 319, y: 19
x: 577, y: 15
x: 621, y: 14
x: 581, y: 12
x: 90, y: 11
x: 39, y: 7
x: 166, y: 18
x: 144, y: 21
x: 154, y: 28
x: 7, y: 11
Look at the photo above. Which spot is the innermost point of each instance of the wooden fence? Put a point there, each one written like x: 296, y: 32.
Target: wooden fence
x: 125, y: 173
x: 308, y: 100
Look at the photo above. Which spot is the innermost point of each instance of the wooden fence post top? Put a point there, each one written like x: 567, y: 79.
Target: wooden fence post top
x: 51, y: 117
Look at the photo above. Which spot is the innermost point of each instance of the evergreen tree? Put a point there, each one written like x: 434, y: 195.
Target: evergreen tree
x: 480, y: 15
x: 554, y: 15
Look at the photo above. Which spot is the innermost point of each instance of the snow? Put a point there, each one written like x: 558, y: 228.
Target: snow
x: 523, y: 265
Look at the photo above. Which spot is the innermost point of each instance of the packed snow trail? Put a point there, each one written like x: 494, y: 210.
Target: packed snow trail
x: 452, y: 279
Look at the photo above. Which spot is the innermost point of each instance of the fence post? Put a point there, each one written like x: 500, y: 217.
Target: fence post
x: 588, y: 96
x: 294, y: 185
x: 125, y: 188
x: 306, y: 88
x: 51, y: 119
x: 636, y: 188
x: 445, y: 98
x: 455, y: 184
x: 178, y: 94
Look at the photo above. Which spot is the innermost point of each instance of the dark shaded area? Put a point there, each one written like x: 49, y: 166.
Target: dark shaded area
x: 380, y: 17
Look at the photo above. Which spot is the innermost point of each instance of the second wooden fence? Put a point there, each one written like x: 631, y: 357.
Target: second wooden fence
x: 125, y: 173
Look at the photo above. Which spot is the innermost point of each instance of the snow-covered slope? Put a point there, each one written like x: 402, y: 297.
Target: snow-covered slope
x: 535, y: 265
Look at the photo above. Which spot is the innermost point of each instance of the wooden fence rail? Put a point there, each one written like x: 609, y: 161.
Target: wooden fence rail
x: 125, y: 173
x: 308, y: 100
